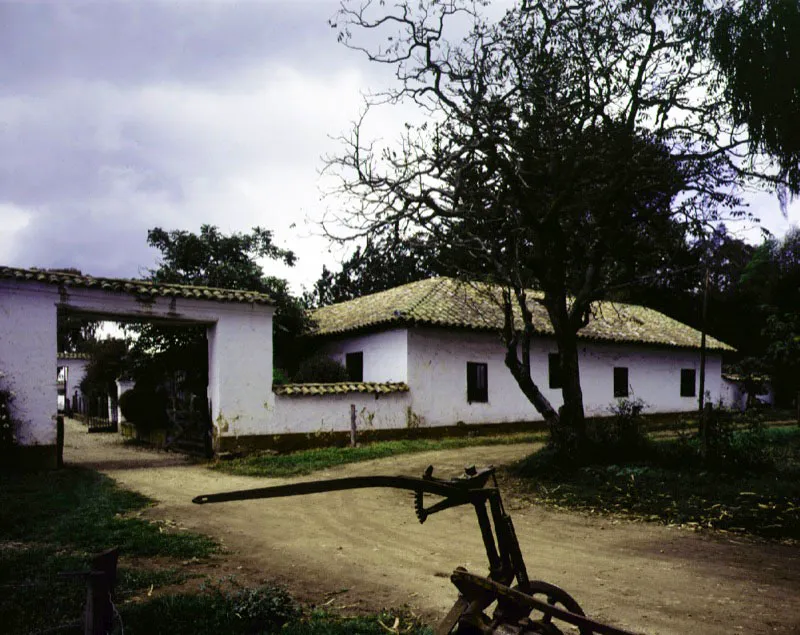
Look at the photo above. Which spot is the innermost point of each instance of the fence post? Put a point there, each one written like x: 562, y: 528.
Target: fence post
x: 59, y: 441
x: 352, y: 425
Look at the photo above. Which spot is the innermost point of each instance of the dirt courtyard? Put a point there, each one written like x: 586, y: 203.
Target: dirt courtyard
x: 366, y: 549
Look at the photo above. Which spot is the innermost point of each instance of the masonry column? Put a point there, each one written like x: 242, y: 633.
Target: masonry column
x: 28, y: 362
x: 240, y: 374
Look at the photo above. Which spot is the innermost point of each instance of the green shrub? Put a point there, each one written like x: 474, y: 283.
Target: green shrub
x: 8, y: 436
x: 320, y: 369
x: 279, y: 376
x: 621, y: 436
x: 145, y: 407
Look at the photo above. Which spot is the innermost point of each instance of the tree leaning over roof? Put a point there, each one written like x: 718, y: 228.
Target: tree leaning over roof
x: 563, y: 146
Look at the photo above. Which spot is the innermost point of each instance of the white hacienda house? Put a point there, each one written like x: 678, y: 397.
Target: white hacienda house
x: 422, y: 355
x: 429, y: 354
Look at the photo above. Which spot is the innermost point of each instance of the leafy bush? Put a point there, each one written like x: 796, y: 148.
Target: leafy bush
x: 145, y: 407
x: 622, y: 435
x: 279, y: 376
x: 7, y: 428
x: 320, y: 368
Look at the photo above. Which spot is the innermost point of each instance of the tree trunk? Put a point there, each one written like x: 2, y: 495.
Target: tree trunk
x: 572, y: 416
x: 529, y: 389
x: 517, y: 342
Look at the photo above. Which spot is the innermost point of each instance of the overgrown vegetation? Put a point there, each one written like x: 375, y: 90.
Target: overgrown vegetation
x: 748, y: 481
x: 308, y: 461
x: 55, y: 521
x: 8, y: 437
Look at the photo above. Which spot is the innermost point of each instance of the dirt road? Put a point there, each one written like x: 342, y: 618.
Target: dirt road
x: 644, y: 577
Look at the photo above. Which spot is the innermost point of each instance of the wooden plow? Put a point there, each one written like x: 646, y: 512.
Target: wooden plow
x: 521, y: 606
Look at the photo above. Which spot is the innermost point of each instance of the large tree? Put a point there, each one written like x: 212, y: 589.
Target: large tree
x: 757, y: 45
x: 212, y: 259
x: 772, y: 282
x: 385, y: 261
x: 565, y: 147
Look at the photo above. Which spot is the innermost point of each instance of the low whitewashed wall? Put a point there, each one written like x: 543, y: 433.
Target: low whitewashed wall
x: 331, y: 413
x: 734, y: 396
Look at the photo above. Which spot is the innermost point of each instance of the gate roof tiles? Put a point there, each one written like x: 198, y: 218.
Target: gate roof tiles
x: 139, y: 288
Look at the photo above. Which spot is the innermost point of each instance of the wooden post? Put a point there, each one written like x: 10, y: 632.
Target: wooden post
x: 352, y: 425
x: 59, y: 441
x: 99, y: 609
x: 701, y: 411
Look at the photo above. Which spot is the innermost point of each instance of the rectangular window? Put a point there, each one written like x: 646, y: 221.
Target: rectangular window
x: 554, y: 370
x: 477, y: 382
x: 688, y: 382
x: 354, y: 363
x: 620, y: 381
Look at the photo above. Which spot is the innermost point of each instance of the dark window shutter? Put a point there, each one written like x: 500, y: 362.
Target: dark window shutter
x: 620, y: 381
x: 477, y: 382
x: 554, y: 370
x: 688, y: 376
x: 354, y: 362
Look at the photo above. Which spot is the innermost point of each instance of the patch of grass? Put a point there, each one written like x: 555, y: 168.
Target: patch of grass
x: 264, y: 609
x: 320, y: 623
x: 671, y: 485
x: 86, y: 511
x: 33, y: 596
x: 56, y: 521
x: 215, y: 610
x: 312, y: 460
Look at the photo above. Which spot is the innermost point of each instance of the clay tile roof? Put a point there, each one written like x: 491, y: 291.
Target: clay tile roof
x: 68, y: 355
x: 340, y: 388
x: 451, y: 303
x: 138, y: 288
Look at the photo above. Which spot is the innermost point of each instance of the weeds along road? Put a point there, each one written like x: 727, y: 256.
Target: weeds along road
x: 644, y: 577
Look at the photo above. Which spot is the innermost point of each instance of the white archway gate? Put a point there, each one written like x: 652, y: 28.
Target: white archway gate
x: 239, y: 328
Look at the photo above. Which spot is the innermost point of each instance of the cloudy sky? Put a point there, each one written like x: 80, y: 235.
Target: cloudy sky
x: 116, y: 117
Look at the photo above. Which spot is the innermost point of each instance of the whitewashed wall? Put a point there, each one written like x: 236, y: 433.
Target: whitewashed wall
x: 327, y: 413
x: 75, y: 374
x: 385, y: 354
x: 437, y: 377
x: 28, y: 358
x: 734, y: 395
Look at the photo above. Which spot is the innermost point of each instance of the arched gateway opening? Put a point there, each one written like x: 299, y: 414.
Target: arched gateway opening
x: 238, y: 327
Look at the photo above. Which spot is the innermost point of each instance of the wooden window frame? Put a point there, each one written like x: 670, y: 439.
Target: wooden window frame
x: 475, y: 392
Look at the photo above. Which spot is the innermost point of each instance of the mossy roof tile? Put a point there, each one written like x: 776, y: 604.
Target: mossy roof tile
x: 339, y: 388
x: 451, y: 303
x: 134, y: 287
